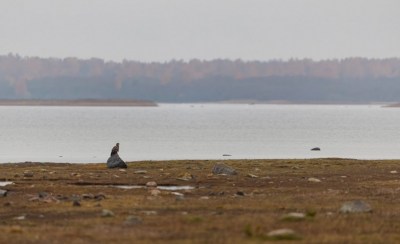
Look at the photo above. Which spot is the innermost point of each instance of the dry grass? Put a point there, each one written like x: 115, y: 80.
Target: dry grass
x: 210, y: 213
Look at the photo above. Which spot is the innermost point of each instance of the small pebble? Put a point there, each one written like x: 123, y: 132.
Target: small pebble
x: 28, y: 174
x: 180, y: 198
x: 3, y: 193
x: 314, y: 179
x: 282, y: 234
x: 107, y: 213
x: 155, y: 192
x: 76, y: 203
x: 252, y: 176
x: 22, y: 217
x: 133, y: 220
x: 239, y: 193
x: 294, y: 216
x: 151, y: 184
x: 357, y: 206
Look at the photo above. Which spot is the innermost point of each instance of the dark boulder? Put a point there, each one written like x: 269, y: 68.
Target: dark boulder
x: 316, y: 149
x: 115, y: 161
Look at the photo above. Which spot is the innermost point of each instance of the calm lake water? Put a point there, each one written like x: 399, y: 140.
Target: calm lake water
x: 196, y: 131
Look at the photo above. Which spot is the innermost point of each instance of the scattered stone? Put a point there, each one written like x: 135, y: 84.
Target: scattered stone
x: 133, y: 220
x: 115, y: 161
x: 22, y: 217
x: 107, y: 213
x: 76, y: 203
x: 87, y: 196
x: 61, y: 197
x: 177, y: 193
x: 99, y: 197
x: 282, y: 234
x: 141, y: 172
x: 43, y: 194
x: 204, y: 198
x: 3, y: 193
x: 28, y: 174
x: 186, y: 177
x: 7, y: 204
x: 316, y: 149
x: 155, y: 192
x: 293, y: 217
x: 222, y: 169
x: 240, y: 193
x: 180, y: 198
x: 150, y: 212
x: 122, y: 170
x: 221, y: 193
x: 16, y: 229
x: 393, y: 172
x: 251, y: 176
x: 329, y: 214
x: 75, y: 197
x: 151, y: 184
x: 357, y: 206
x: 313, y: 179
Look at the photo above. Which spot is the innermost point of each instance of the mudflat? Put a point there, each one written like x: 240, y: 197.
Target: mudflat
x: 88, y: 203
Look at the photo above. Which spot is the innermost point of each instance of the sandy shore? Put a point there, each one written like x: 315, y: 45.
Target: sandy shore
x: 81, y: 102
x: 82, y: 203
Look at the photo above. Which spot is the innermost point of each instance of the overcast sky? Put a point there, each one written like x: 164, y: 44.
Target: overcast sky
x: 161, y: 30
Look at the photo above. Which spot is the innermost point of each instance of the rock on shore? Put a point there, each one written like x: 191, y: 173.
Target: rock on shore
x: 115, y: 161
x: 222, y: 169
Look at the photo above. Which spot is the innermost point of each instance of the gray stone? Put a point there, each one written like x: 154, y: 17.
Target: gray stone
x: 133, y: 220
x: 151, y: 184
x: 357, y: 206
x: 3, y: 193
x: 115, y: 161
x: 186, y: 177
x: 107, y: 213
x: 76, y: 203
x: 99, y: 197
x: 282, y: 234
x: 222, y: 169
x: 294, y: 216
x: 314, y: 180
x: 28, y: 174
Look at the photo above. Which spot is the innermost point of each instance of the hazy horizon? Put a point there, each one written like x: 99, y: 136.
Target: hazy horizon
x: 161, y: 31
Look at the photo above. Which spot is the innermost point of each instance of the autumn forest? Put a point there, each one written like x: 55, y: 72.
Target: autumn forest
x: 351, y: 80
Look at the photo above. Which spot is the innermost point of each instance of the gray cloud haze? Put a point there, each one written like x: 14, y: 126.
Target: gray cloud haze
x: 161, y: 30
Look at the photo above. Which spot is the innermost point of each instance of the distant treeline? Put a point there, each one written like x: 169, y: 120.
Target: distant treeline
x: 356, y: 80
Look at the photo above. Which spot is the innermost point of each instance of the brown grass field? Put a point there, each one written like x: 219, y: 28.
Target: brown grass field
x: 39, y: 206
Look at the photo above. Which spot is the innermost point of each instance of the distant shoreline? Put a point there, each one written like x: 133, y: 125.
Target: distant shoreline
x: 79, y: 102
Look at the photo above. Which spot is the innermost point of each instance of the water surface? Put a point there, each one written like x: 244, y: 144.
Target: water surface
x: 198, y: 131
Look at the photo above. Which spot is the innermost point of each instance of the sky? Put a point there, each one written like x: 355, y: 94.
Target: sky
x: 162, y: 30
